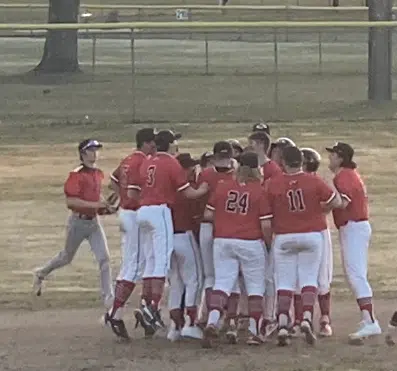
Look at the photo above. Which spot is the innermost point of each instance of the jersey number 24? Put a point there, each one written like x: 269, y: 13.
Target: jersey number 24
x: 237, y: 202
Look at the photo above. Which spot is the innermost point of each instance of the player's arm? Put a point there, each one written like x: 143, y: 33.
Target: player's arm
x: 72, y: 190
x: 114, y: 181
x: 266, y: 216
x: 182, y: 184
x: 329, y: 196
x: 209, y: 211
x: 192, y: 193
x: 134, y: 180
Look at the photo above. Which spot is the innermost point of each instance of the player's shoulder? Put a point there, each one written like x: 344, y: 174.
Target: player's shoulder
x: 78, y: 169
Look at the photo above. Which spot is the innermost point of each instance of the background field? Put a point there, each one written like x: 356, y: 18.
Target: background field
x: 41, y: 121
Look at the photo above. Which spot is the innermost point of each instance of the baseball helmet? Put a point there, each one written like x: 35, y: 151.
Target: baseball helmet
x: 311, y: 159
x: 284, y: 141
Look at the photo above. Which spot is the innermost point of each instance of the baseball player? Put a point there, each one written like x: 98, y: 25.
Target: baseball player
x: 238, y: 203
x: 311, y: 163
x: 237, y: 148
x: 392, y: 329
x: 186, y: 275
x: 294, y: 213
x: 354, y: 229
x: 162, y: 177
x: 261, y: 127
x: 259, y: 141
x: 277, y: 147
x: 222, y: 169
x: 83, y: 197
x: 206, y: 160
x: 123, y: 181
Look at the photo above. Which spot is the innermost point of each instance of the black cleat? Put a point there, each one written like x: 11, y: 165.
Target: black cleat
x: 117, y: 326
x: 142, y: 318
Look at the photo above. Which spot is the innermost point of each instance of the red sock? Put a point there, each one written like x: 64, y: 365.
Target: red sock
x: 255, y: 309
x: 147, y: 290
x: 192, y: 314
x: 122, y: 292
x: 176, y: 315
x: 324, y: 302
x: 308, y: 299
x: 157, y: 291
x: 298, y: 313
x: 232, y: 306
x: 218, y: 301
x: 284, y: 300
x: 365, y: 304
x: 208, y: 297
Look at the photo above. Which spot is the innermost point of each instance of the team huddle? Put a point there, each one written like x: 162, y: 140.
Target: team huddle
x: 240, y: 236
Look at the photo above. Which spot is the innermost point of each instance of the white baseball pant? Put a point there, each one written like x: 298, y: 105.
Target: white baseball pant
x: 132, y: 263
x: 207, y: 254
x: 270, y: 297
x: 186, y: 272
x: 354, y: 239
x: 156, y: 239
x: 326, y: 266
x: 234, y: 255
x: 297, y: 258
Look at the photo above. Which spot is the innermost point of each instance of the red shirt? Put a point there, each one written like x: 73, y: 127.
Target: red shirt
x: 161, y: 177
x: 238, y: 209
x: 125, y: 175
x: 351, y: 188
x: 182, y: 214
x: 84, y: 183
x: 293, y: 201
x: 212, y: 177
x: 270, y: 169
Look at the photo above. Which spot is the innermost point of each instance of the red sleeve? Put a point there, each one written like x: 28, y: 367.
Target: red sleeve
x: 342, y: 184
x: 179, y: 176
x: 71, y: 187
x: 325, y: 192
x: 212, y: 201
x: 202, y: 177
x: 266, y: 204
x: 134, y: 176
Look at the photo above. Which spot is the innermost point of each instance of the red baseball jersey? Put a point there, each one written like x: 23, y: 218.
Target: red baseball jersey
x: 238, y: 209
x: 182, y: 214
x: 212, y: 177
x: 270, y: 169
x: 351, y: 188
x: 293, y: 201
x: 125, y: 176
x: 161, y: 177
x: 84, y: 183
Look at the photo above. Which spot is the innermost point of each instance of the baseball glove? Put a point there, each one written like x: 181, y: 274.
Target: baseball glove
x: 113, y: 203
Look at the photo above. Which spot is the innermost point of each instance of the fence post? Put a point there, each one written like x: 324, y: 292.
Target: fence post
x: 206, y: 55
x: 275, y: 68
x: 93, y: 52
x: 320, y: 52
x: 139, y: 14
x: 133, y: 75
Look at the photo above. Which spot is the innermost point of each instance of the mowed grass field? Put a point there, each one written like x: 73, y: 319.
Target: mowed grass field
x: 42, y: 120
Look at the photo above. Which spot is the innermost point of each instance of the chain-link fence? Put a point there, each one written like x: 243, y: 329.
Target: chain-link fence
x: 178, y: 76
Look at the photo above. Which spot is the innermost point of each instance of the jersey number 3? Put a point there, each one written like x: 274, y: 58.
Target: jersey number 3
x: 237, y: 202
x: 295, y: 200
x: 151, y: 172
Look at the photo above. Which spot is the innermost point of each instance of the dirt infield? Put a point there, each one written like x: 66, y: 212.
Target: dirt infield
x: 74, y: 340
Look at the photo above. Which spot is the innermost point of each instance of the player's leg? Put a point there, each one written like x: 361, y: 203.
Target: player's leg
x: 324, y: 285
x: 285, y: 267
x: 309, y: 260
x: 99, y: 247
x: 175, y: 293
x: 163, y: 246
x: 298, y: 313
x: 192, y: 277
x: 143, y: 314
x: 226, y: 271
x: 251, y: 256
x: 206, y: 248
x: 229, y: 326
x: 269, y: 324
x: 76, y: 231
x: 354, y: 239
x: 243, y: 312
x: 130, y: 271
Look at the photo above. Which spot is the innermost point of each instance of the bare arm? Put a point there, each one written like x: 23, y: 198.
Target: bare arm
x: 113, y: 185
x: 266, y: 226
x: 208, y: 216
x: 133, y: 193
x: 192, y: 193
x: 335, y: 203
x: 74, y: 202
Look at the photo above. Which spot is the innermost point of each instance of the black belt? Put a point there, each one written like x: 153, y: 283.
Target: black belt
x: 85, y: 217
x: 179, y: 232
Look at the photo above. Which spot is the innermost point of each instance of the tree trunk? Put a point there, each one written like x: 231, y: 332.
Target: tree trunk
x: 61, y: 46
